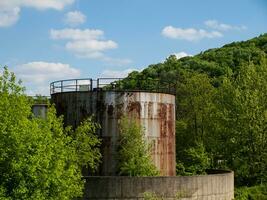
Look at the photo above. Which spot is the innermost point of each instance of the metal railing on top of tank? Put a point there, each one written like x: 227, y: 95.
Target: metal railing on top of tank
x: 71, y: 85
x: 116, y: 84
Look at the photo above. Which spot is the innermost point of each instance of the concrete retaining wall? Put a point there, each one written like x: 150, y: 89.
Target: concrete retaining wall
x: 204, y: 187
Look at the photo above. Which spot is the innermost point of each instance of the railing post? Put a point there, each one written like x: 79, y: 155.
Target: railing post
x: 97, y: 83
x: 61, y: 86
x: 76, y: 85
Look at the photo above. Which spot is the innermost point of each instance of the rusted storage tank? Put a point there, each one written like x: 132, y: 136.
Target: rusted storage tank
x: 155, y: 112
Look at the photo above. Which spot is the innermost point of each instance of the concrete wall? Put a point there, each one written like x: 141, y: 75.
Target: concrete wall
x: 204, y: 187
x: 154, y: 111
x: 39, y: 110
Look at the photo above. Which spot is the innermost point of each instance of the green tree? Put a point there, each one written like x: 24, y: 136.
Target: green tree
x: 258, y: 192
x: 134, y: 153
x: 196, y: 161
x: 220, y: 103
x: 39, y: 159
x: 194, y: 116
x: 242, y: 123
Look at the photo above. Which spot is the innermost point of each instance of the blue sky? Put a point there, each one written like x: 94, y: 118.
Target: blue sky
x: 46, y: 40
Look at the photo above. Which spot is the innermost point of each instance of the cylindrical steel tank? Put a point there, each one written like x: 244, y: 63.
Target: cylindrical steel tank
x: 155, y: 112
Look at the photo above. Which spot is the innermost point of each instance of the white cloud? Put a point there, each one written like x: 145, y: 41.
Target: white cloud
x: 37, y: 75
x: 74, y: 18
x: 8, y: 17
x: 88, y: 43
x: 189, y: 34
x: 214, y: 24
x: 181, y: 54
x: 117, y: 74
x: 87, y: 47
x: 10, y: 9
x: 91, y: 55
x: 38, y: 4
x: 76, y: 34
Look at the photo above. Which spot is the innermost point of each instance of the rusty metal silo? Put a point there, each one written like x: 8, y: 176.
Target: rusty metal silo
x: 154, y: 110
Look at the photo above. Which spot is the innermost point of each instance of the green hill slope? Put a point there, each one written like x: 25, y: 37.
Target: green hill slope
x: 214, y: 62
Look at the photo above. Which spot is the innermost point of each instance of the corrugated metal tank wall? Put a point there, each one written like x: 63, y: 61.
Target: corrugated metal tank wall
x: 154, y: 111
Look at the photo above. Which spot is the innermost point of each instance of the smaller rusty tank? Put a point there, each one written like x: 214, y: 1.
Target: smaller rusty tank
x: 39, y: 110
x: 154, y: 110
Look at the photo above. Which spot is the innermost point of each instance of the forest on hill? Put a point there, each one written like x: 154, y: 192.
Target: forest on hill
x: 221, y: 115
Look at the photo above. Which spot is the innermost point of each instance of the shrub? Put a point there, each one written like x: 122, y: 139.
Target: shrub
x: 134, y: 153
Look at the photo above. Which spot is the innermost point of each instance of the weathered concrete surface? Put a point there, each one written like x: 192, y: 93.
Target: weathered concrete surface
x: 39, y: 110
x: 154, y: 111
x: 204, y: 187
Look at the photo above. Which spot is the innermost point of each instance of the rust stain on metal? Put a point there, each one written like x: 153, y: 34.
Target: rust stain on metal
x: 119, y: 111
x: 150, y: 110
x: 134, y: 108
x: 110, y: 110
x: 162, y: 113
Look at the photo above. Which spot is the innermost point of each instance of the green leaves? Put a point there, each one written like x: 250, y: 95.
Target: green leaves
x: 39, y: 158
x: 243, y: 123
x: 134, y: 153
x: 196, y: 160
x: 195, y: 109
x: 86, y: 144
x: 252, y: 193
x: 221, y: 97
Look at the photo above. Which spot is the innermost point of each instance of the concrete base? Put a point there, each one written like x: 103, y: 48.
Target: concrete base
x: 205, y: 187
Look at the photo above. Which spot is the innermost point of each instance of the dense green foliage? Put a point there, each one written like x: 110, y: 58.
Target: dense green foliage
x: 251, y: 193
x: 221, y: 107
x: 195, y: 161
x: 134, y: 152
x: 39, y: 159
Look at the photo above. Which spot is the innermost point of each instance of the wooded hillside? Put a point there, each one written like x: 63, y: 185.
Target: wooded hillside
x: 221, y: 107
